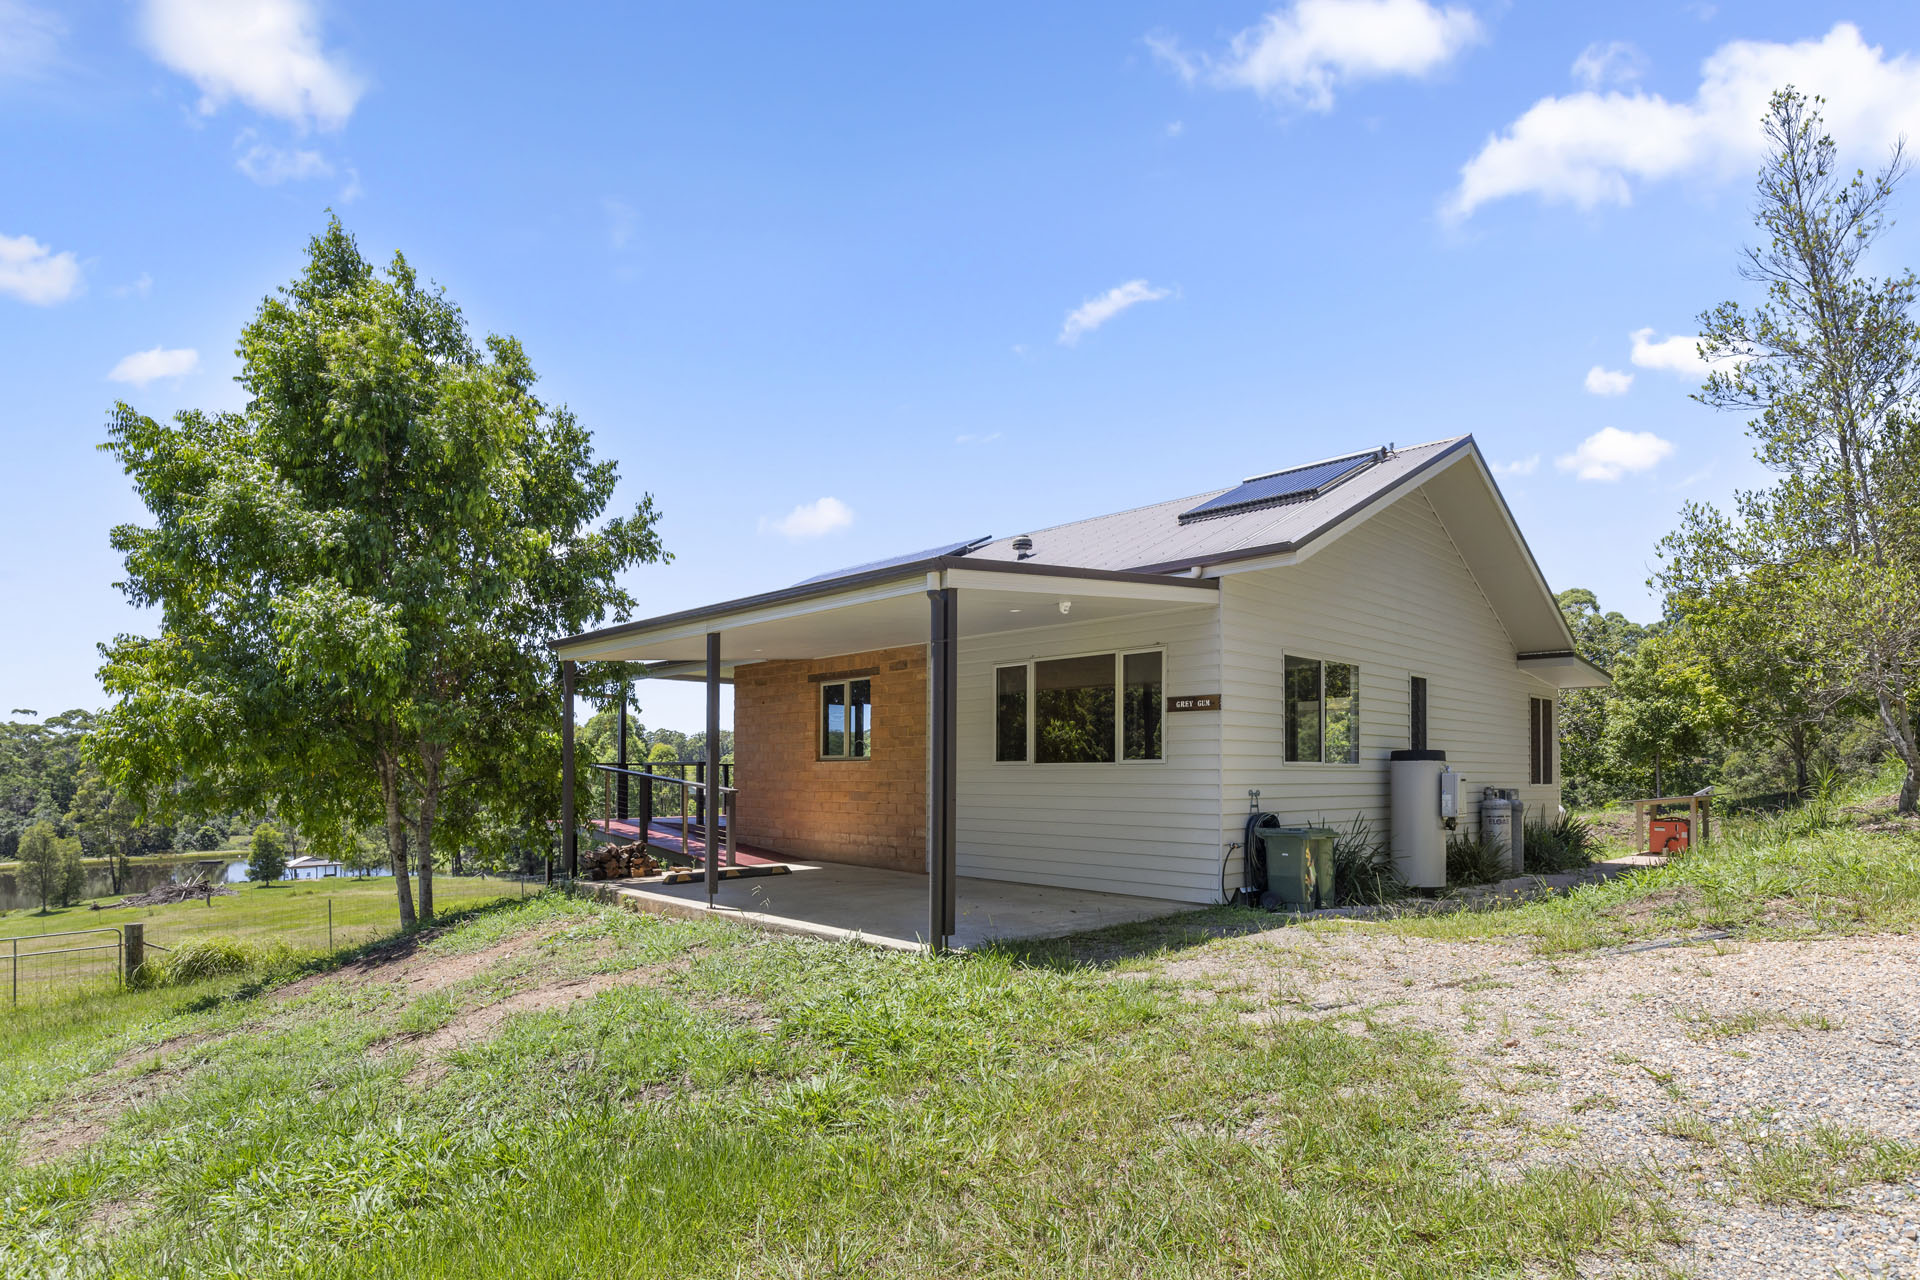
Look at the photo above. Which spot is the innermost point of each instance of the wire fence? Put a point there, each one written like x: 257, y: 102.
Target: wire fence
x: 37, y: 968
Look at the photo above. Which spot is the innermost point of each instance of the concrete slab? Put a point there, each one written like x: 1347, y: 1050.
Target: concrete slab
x: 889, y: 908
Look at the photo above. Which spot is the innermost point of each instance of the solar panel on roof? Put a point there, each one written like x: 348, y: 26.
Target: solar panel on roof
x: 950, y: 549
x: 1294, y: 485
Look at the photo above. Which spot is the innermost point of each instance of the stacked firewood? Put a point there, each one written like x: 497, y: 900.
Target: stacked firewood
x: 174, y: 891
x: 620, y: 861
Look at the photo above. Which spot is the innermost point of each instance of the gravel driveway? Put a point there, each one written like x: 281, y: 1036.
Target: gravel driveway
x: 1723, y: 1069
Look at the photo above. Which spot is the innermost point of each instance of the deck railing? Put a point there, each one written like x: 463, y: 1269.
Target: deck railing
x: 698, y: 802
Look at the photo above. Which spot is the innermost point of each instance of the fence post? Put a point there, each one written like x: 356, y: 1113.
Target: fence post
x: 133, y: 948
x: 329, y: 924
x: 16, y: 970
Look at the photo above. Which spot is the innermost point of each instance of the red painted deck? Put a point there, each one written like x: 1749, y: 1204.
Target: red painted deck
x: 666, y: 835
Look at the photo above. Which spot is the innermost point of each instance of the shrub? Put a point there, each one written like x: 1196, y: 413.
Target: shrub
x: 204, y: 958
x: 1474, y: 860
x: 1363, y: 867
x: 1565, y: 844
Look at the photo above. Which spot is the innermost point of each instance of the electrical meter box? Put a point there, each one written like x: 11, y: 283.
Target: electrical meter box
x: 1452, y: 783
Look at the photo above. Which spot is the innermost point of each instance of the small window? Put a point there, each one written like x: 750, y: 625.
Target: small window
x: 1541, y: 740
x: 1010, y: 713
x: 1323, y: 712
x: 1417, y: 712
x: 846, y: 719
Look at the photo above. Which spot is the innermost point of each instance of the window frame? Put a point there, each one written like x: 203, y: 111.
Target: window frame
x: 1543, y: 741
x: 1322, y: 763
x: 1120, y: 757
x: 846, y: 684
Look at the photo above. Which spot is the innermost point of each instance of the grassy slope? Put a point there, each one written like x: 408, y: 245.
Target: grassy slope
x: 762, y: 1106
x: 759, y: 1106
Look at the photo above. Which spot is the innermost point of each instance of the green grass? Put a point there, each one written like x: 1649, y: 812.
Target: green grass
x: 262, y: 911
x: 733, y: 1103
x: 289, y: 914
x: 1809, y: 873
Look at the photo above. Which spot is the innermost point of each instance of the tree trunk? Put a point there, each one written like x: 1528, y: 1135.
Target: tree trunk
x: 431, y: 759
x: 1656, y: 776
x: 1899, y: 725
x: 396, y: 837
x: 1797, y: 747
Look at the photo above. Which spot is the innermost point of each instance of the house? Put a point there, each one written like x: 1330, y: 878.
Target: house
x: 1088, y: 706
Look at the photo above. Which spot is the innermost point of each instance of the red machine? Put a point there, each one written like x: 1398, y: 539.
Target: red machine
x: 1669, y: 835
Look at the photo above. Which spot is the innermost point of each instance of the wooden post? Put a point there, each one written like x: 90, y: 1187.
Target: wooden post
x: 713, y: 757
x: 569, y: 838
x: 133, y: 948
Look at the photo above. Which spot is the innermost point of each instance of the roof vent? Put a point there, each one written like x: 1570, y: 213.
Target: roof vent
x: 1296, y: 484
x: 1023, y: 547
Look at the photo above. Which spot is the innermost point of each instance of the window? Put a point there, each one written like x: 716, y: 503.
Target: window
x: 1010, y: 713
x: 1541, y: 740
x: 846, y: 720
x: 1323, y: 712
x: 1417, y: 712
x: 1073, y: 702
x: 1086, y: 710
x: 1143, y: 707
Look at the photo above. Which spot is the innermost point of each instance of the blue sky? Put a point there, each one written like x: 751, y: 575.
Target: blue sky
x: 839, y: 281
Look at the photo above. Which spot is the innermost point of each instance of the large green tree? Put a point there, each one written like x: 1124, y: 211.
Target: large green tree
x: 1828, y: 362
x: 1589, y: 773
x: 357, y: 572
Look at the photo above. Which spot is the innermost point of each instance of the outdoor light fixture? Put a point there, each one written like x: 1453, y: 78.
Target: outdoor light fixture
x: 1066, y: 607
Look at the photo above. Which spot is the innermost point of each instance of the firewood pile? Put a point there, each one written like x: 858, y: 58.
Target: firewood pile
x: 165, y: 895
x: 619, y: 861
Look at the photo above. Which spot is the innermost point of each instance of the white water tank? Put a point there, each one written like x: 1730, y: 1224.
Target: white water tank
x: 1419, y: 831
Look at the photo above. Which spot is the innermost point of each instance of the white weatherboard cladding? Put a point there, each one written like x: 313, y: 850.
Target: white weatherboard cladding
x: 1394, y: 596
x: 1138, y: 827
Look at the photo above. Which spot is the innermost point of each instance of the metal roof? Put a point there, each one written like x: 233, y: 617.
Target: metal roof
x: 912, y: 557
x: 1154, y: 539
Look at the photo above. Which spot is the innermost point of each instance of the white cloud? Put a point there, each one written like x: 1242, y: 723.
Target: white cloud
x: 622, y: 221
x: 989, y: 438
x: 1094, y: 312
x: 1679, y: 353
x: 139, y: 288
x: 1615, y: 62
x: 1610, y: 453
x: 29, y: 40
x: 1175, y: 128
x: 1518, y: 467
x: 143, y: 367
x: 1592, y: 148
x: 270, y: 166
x: 1300, y: 53
x: 1602, y: 381
x: 266, y: 53
x: 810, y: 519
x: 32, y: 272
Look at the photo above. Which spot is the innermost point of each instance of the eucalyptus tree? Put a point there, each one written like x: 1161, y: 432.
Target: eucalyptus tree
x: 356, y: 573
x: 1828, y: 361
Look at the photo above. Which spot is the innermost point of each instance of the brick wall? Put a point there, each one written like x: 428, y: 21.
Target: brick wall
x: 872, y: 811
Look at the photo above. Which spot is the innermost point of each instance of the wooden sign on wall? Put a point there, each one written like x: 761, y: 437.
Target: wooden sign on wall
x: 1194, y: 702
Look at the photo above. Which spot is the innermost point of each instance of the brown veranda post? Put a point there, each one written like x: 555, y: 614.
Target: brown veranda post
x: 942, y: 766
x: 712, y: 772
x: 569, y: 839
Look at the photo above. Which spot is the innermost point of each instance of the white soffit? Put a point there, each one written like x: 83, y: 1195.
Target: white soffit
x: 1564, y: 670
x: 894, y: 613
